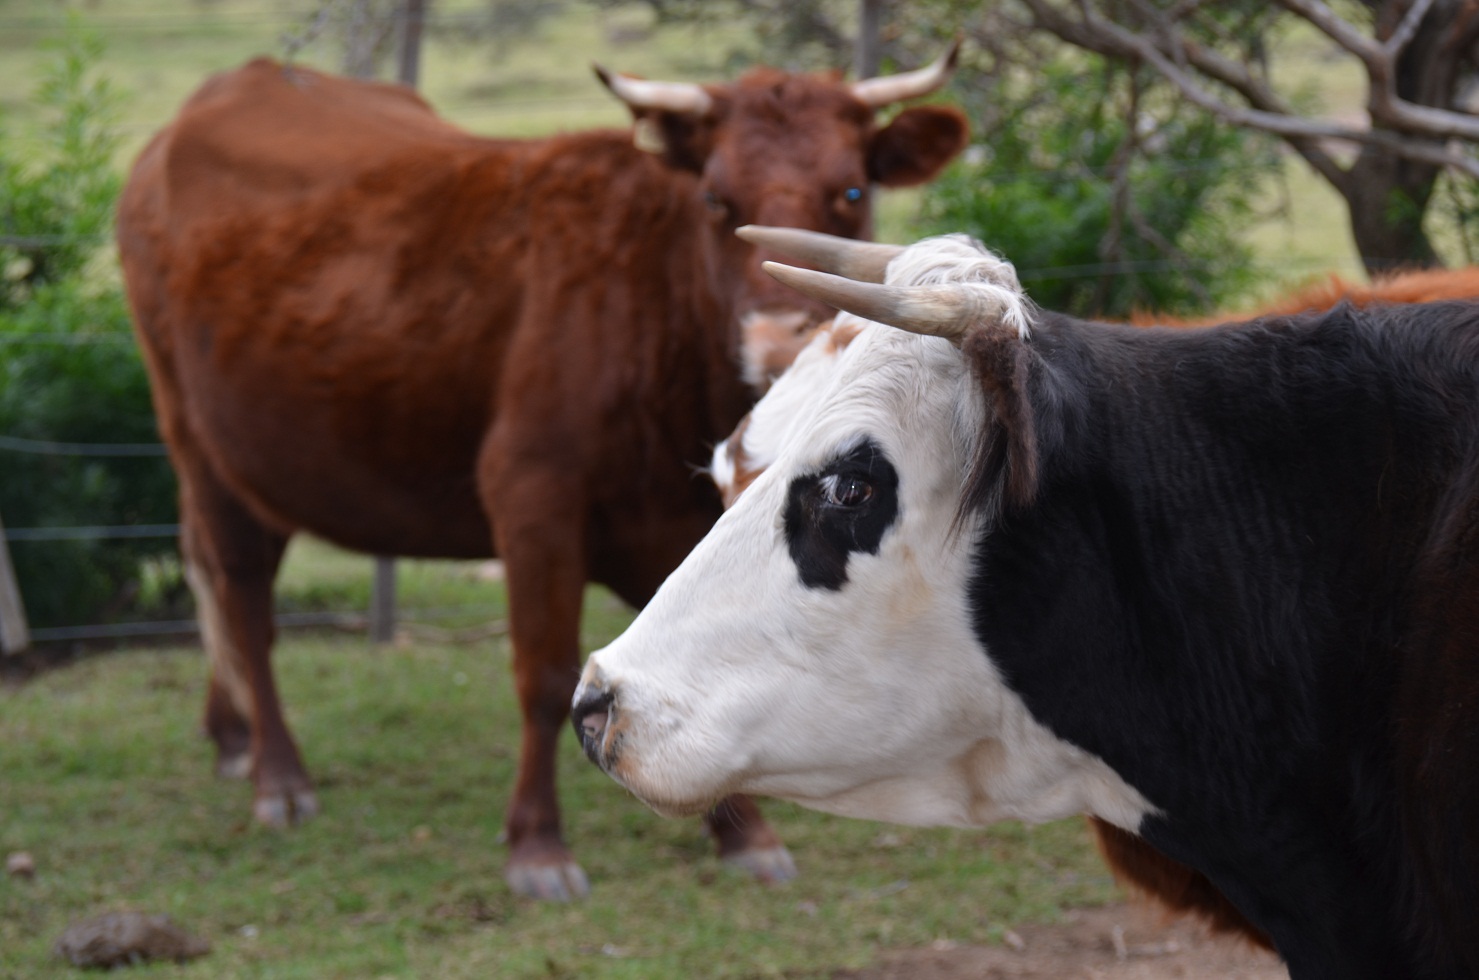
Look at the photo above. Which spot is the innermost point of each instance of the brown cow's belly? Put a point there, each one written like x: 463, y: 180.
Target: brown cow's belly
x: 437, y: 516
x: 353, y: 464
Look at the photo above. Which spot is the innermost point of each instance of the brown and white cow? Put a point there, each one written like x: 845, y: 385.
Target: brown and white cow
x: 363, y: 322
x: 1218, y: 588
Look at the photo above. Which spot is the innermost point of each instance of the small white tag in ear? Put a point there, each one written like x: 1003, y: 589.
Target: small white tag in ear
x: 646, y: 136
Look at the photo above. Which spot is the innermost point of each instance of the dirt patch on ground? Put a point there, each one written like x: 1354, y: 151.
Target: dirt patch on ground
x: 1118, y: 942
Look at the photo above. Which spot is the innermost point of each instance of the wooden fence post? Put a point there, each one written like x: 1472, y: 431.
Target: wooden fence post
x: 15, y: 635
x: 413, y: 16
x: 866, y: 54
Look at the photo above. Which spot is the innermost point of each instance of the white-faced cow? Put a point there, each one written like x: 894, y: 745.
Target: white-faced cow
x: 1218, y: 588
x: 757, y: 441
x: 362, y: 322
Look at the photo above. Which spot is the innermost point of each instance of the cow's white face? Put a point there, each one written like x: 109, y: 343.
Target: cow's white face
x: 816, y: 646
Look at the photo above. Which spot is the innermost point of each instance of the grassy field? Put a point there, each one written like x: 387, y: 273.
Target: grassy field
x: 105, y: 781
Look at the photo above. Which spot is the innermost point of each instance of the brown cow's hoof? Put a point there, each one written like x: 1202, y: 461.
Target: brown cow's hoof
x: 768, y: 865
x: 282, y: 810
x: 563, y: 882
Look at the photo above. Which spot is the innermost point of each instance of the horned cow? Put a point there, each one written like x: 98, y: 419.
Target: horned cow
x: 798, y: 379
x: 362, y: 322
x: 1214, y: 587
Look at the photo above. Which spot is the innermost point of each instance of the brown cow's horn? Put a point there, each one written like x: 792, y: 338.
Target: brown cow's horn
x: 846, y: 257
x: 888, y: 89
x: 942, y: 311
x: 680, y: 97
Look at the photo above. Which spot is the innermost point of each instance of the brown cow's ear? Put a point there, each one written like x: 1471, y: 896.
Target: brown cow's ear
x: 916, y: 145
x: 683, y: 141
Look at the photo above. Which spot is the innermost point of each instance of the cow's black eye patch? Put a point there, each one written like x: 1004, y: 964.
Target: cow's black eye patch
x: 844, y: 508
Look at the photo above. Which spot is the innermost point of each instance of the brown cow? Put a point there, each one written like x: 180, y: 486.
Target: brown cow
x: 757, y: 441
x: 362, y: 322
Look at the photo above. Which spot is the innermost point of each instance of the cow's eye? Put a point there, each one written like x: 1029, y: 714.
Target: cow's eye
x: 846, y: 491
x: 853, y: 195
x: 715, y: 203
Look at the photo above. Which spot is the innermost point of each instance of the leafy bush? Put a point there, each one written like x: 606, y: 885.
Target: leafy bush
x: 69, y: 371
x: 1107, y: 195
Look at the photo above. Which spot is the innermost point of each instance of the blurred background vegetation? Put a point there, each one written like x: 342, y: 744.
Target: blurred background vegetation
x: 1108, y: 189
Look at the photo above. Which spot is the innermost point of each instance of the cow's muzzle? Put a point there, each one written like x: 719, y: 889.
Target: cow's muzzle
x: 591, y: 715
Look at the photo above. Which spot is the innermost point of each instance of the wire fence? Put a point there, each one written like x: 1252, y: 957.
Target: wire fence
x: 382, y: 620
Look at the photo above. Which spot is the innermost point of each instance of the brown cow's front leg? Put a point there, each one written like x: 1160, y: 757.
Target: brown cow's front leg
x: 230, y: 563
x: 539, y: 537
x: 747, y: 842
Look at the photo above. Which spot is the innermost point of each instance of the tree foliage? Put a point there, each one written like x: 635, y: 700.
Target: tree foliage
x: 1107, y: 193
x: 69, y: 371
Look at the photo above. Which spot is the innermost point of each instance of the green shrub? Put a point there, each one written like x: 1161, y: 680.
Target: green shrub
x: 69, y: 370
x: 1106, y: 194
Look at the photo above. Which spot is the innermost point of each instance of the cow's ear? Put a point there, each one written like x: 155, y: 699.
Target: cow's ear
x: 682, y: 140
x: 916, y: 145
x: 1006, y: 461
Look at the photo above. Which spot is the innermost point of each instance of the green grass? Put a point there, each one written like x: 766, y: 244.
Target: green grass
x: 107, y: 784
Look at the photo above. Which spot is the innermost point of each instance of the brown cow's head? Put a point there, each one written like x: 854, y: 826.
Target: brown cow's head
x: 801, y: 151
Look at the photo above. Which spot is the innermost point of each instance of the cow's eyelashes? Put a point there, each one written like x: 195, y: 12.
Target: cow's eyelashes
x: 846, y: 491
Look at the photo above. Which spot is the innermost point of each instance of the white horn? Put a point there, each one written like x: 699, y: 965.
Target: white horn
x: 888, y: 89
x: 847, y: 257
x: 949, y: 310
x: 680, y: 97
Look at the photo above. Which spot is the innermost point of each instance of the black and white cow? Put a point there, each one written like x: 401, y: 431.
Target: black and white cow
x: 1217, y: 587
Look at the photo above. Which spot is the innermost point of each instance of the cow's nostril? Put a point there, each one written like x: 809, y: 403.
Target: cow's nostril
x: 590, y: 716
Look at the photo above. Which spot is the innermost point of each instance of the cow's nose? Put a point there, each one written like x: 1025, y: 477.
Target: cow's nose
x: 590, y: 715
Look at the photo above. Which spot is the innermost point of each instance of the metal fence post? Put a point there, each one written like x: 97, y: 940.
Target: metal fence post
x: 382, y: 597
x: 382, y: 601
x: 15, y: 635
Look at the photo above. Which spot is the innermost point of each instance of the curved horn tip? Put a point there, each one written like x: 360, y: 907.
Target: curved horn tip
x: 602, y: 72
x: 951, y: 57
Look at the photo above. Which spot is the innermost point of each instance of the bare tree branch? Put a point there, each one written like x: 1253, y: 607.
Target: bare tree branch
x: 1099, y: 34
x: 1405, y: 30
x: 1255, y: 90
x: 1385, y: 106
x: 1339, y: 31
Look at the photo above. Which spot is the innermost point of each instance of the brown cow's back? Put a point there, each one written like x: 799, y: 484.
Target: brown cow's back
x: 369, y: 318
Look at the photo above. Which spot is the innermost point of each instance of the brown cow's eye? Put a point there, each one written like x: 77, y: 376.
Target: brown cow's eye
x: 715, y: 203
x: 853, y: 195
x: 846, y: 491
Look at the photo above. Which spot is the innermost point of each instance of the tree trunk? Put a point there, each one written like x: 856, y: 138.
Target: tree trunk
x: 1387, y: 197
